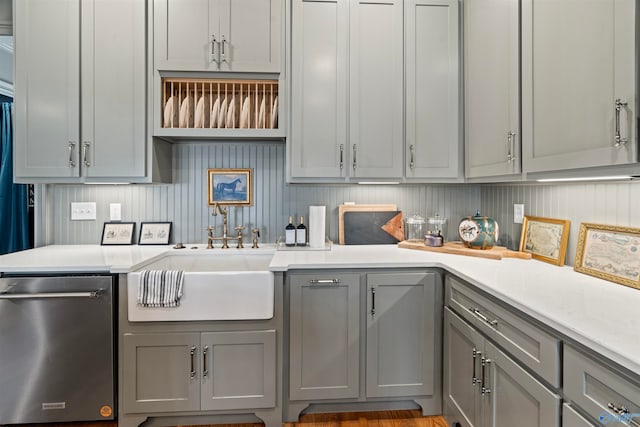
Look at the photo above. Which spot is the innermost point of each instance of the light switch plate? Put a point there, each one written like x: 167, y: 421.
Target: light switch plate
x: 518, y: 213
x: 115, y: 212
x: 83, y: 211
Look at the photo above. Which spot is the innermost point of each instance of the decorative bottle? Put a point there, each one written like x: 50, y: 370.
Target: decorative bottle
x: 301, y: 233
x: 290, y: 233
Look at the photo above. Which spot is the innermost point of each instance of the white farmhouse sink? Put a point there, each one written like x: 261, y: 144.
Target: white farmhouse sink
x: 218, y: 285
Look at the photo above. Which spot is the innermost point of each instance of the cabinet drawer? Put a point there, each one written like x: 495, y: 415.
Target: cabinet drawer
x: 536, y: 349
x: 598, y: 389
x: 570, y: 418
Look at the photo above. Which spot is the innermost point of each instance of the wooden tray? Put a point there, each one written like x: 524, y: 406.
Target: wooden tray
x: 497, y: 252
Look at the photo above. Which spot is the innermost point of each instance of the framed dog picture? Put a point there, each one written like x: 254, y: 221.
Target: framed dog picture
x: 230, y: 187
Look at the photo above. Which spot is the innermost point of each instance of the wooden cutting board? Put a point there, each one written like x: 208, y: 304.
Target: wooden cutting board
x: 497, y: 252
x: 373, y: 228
x: 359, y: 208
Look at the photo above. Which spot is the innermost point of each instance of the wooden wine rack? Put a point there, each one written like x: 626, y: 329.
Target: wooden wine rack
x: 211, y: 103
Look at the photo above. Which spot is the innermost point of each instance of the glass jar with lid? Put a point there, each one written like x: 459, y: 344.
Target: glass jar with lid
x: 436, y: 225
x: 414, y: 228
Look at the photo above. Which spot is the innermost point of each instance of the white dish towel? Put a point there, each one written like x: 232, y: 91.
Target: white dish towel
x: 160, y: 288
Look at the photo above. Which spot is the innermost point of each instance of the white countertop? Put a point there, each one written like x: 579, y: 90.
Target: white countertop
x: 599, y: 314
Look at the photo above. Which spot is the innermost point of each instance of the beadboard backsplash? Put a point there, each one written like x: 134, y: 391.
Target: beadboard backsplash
x: 184, y: 202
x: 603, y: 203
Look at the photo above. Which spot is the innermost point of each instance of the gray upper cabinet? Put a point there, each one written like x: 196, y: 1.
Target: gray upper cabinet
x: 433, y: 146
x: 324, y: 336
x: 483, y: 387
x: 403, y: 324
x: 83, y: 115
x: 376, y: 88
x: 218, y: 35
x: 319, y: 97
x: 578, y: 85
x: 350, y: 107
x: 492, y: 88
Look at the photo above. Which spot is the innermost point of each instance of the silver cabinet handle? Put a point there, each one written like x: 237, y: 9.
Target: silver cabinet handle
x: 474, y: 356
x: 483, y: 387
x: 482, y: 317
x: 213, y: 48
x: 72, y: 146
x: 222, y: 53
x: 411, y: 157
x: 354, y: 157
x: 373, y: 302
x: 624, y: 413
x: 205, y: 371
x: 192, y: 357
x: 51, y: 295
x: 511, y: 137
x: 619, y: 140
x: 341, y: 156
x: 324, y: 281
x: 85, y: 153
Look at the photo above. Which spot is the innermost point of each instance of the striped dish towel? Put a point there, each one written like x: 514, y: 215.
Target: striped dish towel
x: 160, y: 288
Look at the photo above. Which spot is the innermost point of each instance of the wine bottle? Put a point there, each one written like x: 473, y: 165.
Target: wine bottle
x: 301, y: 233
x: 290, y: 233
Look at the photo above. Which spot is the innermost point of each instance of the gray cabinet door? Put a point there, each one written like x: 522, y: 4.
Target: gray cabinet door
x: 186, y: 34
x: 402, y: 344
x: 251, y: 31
x: 218, y: 35
x: 114, y: 99
x: 513, y: 397
x: 161, y: 372
x: 376, y: 88
x: 47, y: 90
x: 238, y: 370
x: 571, y: 418
x: 433, y: 142
x: 463, y: 348
x: 324, y: 336
x: 571, y: 78
x: 492, y: 88
x: 319, y: 80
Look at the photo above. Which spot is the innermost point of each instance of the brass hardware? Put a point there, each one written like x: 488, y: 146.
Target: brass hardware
x: 256, y: 234
x: 239, y: 229
x: 225, y: 238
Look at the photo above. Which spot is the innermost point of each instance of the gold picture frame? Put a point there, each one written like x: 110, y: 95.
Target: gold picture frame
x: 609, y: 252
x: 230, y: 187
x: 545, y: 238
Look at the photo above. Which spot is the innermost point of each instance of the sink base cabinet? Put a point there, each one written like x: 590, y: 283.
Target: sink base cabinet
x: 201, y: 372
x: 484, y: 387
x: 363, y: 341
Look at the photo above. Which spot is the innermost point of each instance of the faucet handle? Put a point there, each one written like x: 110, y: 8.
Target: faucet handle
x: 239, y: 229
x: 256, y: 234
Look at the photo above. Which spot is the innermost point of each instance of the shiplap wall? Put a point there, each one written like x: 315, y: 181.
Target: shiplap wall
x: 604, y: 203
x: 184, y: 202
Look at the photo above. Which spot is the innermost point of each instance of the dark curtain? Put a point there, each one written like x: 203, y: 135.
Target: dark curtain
x: 14, y: 214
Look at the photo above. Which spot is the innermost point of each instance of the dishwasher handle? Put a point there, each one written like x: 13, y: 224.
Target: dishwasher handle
x: 50, y: 295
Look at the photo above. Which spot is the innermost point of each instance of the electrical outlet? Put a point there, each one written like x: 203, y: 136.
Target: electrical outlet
x: 115, y: 212
x: 518, y: 213
x: 83, y: 211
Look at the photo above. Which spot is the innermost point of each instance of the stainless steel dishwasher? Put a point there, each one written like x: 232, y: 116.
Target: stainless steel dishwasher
x: 56, y: 349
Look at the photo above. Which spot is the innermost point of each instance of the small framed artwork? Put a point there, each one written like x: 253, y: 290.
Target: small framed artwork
x: 154, y: 233
x: 610, y: 253
x: 117, y: 233
x: 230, y: 186
x: 545, y: 238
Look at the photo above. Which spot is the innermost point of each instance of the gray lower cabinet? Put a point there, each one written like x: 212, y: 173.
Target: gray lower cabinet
x: 324, y: 336
x: 364, y: 336
x: 603, y: 393
x: 199, y: 371
x: 571, y: 418
x: 402, y: 331
x: 484, y: 387
x: 80, y: 91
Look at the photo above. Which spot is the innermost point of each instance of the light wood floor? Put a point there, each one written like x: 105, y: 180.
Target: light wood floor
x: 350, y: 419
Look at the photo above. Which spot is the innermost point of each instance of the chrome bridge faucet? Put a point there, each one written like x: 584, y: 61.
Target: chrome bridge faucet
x: 225, y: 238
